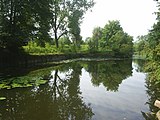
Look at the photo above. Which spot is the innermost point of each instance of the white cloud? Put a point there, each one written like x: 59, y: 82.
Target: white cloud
x: 136, y: 16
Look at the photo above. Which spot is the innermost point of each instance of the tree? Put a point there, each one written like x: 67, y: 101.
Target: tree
x: 154, y: 35
x: 96, y: 37
x: 112, y: 37
x: 74, y: 26
x: 153, y: 39
x: 121, y: 44
x: 64, y: 13
x: 59, y: 19
x: 109, y: 30
x: 141, y: 46
x: 21, y: 20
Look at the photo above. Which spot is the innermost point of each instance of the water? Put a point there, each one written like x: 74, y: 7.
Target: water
x: 81, y: 90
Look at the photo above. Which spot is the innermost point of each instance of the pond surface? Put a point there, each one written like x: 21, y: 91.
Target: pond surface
x: 80, y: 90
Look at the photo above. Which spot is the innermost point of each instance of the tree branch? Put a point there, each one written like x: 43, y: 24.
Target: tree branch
x: 65, y: 32
x: 60, y: 22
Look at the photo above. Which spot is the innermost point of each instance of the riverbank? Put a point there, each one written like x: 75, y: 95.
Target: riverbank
x: 26, y: 60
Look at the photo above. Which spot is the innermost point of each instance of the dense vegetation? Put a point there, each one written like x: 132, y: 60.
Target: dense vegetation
x: 109, y: 39
x: 148, y: 46
x: 53, y: 27
x: 22, y: 21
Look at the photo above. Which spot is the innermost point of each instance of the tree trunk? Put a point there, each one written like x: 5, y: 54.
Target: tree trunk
x: 56, y: 39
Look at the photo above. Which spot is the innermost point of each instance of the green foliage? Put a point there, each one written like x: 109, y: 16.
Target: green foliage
x: 149, y: 46
x: 34, y: 78
x: 109, y: 30
x: 91, y: 46
x: 21, y: 21
x: 153, y: 91
x: 121, y: 44
x: 64, y: 41
x: 74, y: 26
x: 153, y: 69
x: 111, y: 38
x: 96, y: 37
x: 33, y: 48
x: 156, y: 53
x: 84, y: 48
x: 67, y: 15
x: 141, y: 47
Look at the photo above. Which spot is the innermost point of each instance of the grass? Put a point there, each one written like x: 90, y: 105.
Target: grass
x: 33, y: 49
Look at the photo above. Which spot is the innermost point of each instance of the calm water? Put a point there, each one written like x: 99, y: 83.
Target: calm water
x: 81, y: 90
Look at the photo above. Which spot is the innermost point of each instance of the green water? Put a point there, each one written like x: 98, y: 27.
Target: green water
x: 80, y: 90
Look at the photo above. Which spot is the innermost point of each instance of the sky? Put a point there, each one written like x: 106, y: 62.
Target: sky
x: 135, y: 16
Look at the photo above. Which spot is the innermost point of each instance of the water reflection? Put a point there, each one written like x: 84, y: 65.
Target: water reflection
x: 61, y: 98
x: 140, y: 65
x: 109, y: 73
x: 153, y: 92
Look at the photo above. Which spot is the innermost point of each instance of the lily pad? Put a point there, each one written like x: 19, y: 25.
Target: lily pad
x: 15, y: 85
x: 1, y: 85
x: 40, y: 82
x: 2, y: 98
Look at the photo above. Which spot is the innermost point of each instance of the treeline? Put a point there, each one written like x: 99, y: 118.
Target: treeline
x: 110, y: 39
x: 53, y: 26
x: 22, y: 21
x: 148, y: 46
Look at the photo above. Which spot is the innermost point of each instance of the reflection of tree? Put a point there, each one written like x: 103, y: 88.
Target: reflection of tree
x: 59, y: 100
x: 110, y: 73
x: 140, y: 65
x: 153, y: 91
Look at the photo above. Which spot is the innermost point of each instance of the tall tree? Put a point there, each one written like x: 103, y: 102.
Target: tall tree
x: 42, y: 15
x: 121, y: 44
x: 112, y: 37
x: 21, y: 20
x: 59, y: 19
x: 109, y: 30
x: 154, y: 37
x: 74, y: 26
x: 97, y: 36
x: 63, y: 13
